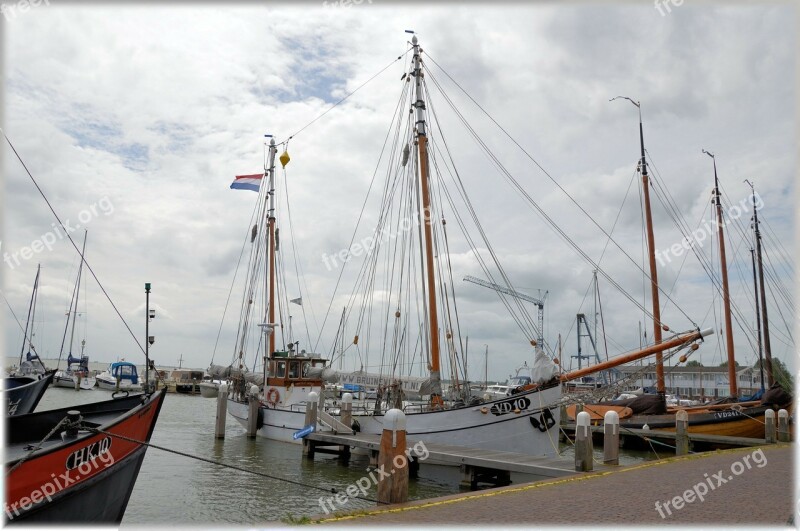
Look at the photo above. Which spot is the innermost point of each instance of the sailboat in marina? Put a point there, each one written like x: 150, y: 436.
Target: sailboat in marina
x: 25, y: 387
x: 76, y: 375
x: 729, y: 416
x: 417, y: 296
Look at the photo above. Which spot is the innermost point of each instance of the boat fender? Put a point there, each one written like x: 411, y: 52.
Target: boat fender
x: 355, y: 426
x: 273, y: 396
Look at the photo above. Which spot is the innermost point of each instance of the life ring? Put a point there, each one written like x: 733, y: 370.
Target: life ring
x: 273, y: 396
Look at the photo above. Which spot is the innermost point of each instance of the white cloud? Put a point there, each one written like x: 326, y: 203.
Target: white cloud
x: 159, y: 107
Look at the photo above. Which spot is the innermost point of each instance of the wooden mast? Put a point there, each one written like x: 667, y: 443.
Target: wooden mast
x: 271, y: 220
x: 765, y: 322
x: 726, y: 298
x: 651, y: 246
x: 422, y: 144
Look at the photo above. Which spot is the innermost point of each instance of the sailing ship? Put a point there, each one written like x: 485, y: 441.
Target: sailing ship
x: 524, y: 422
x: 729, y: 416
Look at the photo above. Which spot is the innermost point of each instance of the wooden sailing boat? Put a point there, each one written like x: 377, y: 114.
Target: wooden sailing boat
x: 731, y: 417
x: 524, y: 422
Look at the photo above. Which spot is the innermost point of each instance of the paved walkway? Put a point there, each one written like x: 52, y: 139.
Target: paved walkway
x: 751, y: 486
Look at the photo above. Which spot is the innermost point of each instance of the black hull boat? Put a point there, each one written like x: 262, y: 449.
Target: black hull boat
x: 23, y: 393
x: 79, y: 475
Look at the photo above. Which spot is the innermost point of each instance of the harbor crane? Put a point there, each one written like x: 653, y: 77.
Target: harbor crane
x: 516, y: 294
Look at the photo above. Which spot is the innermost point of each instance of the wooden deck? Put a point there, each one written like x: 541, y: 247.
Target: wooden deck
x: 441, y: 454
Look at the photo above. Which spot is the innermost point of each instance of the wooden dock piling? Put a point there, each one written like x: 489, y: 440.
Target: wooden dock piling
x: 611, y: 438
x: 769, y: 426
x: 252, y: 412
x: 222, y: 411
x: 347, y: 409
x: 311, y: 420
x: 783, y: 426
x: 681, y: 433
x: 392, y: 459
x: 584, y: 448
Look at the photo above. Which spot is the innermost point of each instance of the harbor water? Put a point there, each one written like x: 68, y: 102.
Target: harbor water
x: 177, y: 489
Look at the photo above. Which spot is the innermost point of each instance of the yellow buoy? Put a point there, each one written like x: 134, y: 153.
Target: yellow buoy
x: 284, y: 158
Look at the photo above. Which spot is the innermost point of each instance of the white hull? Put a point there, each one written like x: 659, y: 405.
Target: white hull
x: 499, y: 428
x: 71, y: 382
x: 208, y: 390
x: 111, y: 385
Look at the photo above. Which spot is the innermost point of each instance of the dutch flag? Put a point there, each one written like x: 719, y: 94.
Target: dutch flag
x: 247, y: 182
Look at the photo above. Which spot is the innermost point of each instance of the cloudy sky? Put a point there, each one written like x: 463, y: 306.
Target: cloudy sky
x: 134, y: 120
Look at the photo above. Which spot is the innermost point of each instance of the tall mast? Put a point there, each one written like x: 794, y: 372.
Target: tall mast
x: 651, y: 245
x: 30, y: 309
x: 270, y: 169
x: 77, y: 296
x: 422, y: 143
x: 758, y: 318
x: 765, y: 321
x: 726, y: 297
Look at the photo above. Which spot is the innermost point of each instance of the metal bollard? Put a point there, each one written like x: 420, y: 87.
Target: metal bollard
x: 611, y: 438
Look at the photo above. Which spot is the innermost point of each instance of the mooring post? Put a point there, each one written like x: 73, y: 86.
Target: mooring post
x: 681, y: 433
x: 583, y: 443
x: 252, y: 412
x: 347, y: 409
x: 783, y: 425
x: 310, y: 420
x: 392, y: 459
x: 611, y: 438
x: 222, y: 411
x: 769, y: 426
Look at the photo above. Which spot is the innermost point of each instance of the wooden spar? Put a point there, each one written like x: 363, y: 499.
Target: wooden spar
x: 422, y: 143
x: 726, y: 297
x: 639, y: 354
x: 651, y: 246
x: 765, y: 321
x: 271, y: 214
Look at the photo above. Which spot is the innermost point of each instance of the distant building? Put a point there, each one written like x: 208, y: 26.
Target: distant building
x: 693, y: 382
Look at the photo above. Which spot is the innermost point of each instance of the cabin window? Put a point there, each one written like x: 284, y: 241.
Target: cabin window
x: 281, y: 370
x: 294, y: 370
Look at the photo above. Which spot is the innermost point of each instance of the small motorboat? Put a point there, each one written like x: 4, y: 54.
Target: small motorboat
x: 120, y: 376
x: 84, y: 472
x: 209, y: 388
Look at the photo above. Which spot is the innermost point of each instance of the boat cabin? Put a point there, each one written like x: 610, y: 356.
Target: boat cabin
x: 288, y: 368
x: 124, y: 371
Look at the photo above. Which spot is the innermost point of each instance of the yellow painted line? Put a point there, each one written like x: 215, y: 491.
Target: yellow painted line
x: 545, y: 483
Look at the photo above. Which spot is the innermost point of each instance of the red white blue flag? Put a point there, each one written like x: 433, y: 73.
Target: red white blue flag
x: 247, y: 182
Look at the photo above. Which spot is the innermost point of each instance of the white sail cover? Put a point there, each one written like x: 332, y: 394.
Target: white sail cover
x: 544, y: 369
